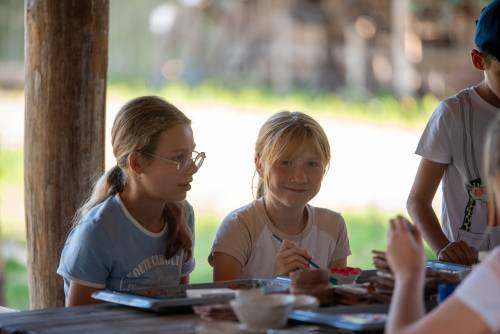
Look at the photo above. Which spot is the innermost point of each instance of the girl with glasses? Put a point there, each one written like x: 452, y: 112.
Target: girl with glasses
x: 474, y: 307
x: 280, y: 232
x: 136, y: 229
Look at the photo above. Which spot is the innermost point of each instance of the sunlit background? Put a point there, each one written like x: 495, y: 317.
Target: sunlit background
x: 371, y: 72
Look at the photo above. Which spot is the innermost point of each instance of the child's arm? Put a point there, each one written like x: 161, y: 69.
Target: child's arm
x: 419, y: 203
x: 419, y: 207
x: 79, y: 294
x: 226, y: 267
x: 406, y: 315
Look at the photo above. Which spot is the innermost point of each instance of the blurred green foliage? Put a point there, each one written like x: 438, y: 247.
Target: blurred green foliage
x: 383, y: 109
x: 16, y: 285
x: 11, y: 167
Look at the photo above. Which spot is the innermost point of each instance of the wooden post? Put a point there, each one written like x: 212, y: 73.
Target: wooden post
x: 66, y: 56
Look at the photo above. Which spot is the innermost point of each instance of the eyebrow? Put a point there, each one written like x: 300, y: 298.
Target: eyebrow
x: 182, y: 150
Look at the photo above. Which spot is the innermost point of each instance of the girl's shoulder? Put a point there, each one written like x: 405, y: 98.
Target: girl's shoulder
x: 106, y: 213
x: 250, y: 211
x: 250, y: 217
x: 327, y: 220
x: 321, y: 214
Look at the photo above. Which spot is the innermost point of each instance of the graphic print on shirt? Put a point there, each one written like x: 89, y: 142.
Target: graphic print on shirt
x: 152, y: 271
x: 476, y: 191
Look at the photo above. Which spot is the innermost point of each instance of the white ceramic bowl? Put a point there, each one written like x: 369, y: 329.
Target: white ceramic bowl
x: 246, y: 294
x: 262, y: 312
x: 305, y: 302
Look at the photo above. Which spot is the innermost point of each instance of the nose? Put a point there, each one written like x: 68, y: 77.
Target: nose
x: 191, y: 168
x: 298, y: 175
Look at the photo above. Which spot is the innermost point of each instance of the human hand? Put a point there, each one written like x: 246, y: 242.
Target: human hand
x: 405, y: 252
x: 290, y: 258
x: 458, y: 252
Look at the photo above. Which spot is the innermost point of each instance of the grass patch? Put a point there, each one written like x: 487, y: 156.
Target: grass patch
x: 11, y: 199
x: 11, y: 167
x: 382, y: 109
x: 16, y: 285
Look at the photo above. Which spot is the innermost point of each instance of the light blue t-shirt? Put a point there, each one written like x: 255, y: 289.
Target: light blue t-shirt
x: 110, y: 249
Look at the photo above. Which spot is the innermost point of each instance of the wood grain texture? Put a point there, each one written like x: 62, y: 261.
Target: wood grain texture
x: 100, y: 318
x: 66, y: 55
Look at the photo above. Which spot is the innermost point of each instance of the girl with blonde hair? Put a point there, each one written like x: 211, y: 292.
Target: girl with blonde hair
x: 280, y: 232
x: 136, y: 229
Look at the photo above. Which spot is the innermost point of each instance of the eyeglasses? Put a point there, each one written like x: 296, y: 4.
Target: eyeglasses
x: 183, y: 164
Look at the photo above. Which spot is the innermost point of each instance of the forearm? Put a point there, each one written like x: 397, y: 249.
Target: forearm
x: 226, y: 267
x: 407, y: 304
x: 424, y: 216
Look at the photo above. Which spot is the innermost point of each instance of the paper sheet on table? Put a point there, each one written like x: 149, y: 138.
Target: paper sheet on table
x: 200, y: 293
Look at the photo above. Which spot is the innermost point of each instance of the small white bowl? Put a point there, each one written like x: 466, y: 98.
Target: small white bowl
x: 246, y: 294
x: 305, y: 302
x: 263, y: 312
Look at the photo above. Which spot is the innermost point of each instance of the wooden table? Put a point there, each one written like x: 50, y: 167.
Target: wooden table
x: 105, y: 318
x: 99, y: 318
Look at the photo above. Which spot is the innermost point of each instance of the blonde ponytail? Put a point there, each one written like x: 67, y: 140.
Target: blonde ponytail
x: 109, y: 184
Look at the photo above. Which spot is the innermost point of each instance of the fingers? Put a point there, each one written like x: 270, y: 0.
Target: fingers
x: 294, y: 262
x: 405, y: 254
x: 469, y: 253
x: 287, y: 244
x: 447, y: 254
x: 401, y: 225
x: 288, y: 248
x: 290, y: 258
x: 458, y: 252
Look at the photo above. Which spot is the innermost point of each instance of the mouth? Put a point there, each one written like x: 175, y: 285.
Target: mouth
x: 185, y: 186
x: 297, y: 190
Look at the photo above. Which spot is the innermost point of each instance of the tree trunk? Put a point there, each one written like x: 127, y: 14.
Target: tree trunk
x: 66, y: 55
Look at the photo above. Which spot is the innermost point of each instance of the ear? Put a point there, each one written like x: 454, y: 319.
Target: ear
x: 258, y: 165
x: 135, y: 163
x: 478, y: 60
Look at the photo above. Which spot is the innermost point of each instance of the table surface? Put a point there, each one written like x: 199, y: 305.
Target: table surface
x: 109, y: 318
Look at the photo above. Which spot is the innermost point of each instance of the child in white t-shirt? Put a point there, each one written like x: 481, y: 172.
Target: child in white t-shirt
x: 451, y: 149
x: 280, y: 232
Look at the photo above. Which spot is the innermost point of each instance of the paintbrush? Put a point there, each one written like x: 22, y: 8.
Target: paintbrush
x: 313, y: 264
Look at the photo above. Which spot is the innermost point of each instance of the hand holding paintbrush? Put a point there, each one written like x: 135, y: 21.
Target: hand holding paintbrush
x: 291, y: 258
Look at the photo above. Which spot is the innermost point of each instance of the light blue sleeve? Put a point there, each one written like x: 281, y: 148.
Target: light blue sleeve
x: 188, y: 266
x: 86, y: 256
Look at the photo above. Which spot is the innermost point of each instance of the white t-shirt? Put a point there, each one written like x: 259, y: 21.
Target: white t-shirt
x: 481, y: 290
x: 446, y: 141
x: 247, y: 235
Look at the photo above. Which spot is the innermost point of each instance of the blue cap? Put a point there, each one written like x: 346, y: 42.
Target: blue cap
x: 487, y: 36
